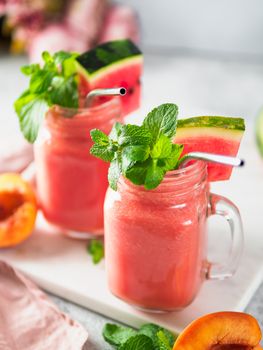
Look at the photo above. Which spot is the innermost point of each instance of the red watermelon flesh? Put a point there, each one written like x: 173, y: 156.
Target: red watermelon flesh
x: 127, y: 76
x: 114, y: 64
x: 217, y: 135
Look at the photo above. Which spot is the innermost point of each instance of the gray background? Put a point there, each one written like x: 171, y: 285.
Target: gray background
x: 219, y: 26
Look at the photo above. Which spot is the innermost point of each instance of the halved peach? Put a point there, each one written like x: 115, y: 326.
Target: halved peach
x: 220, y: 331
x: 18, y: 209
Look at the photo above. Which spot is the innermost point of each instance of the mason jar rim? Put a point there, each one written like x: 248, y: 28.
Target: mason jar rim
x: 191, y: 168
x: 95, y: 108
x: 67, y: 121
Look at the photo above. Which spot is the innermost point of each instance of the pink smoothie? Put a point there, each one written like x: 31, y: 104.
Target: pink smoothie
x: 72, y: 183
x: 155, y: 241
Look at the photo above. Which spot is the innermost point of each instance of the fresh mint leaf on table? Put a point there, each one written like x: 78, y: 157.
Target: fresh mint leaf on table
x: 138, y: 342
x: 159, y: 335
x: 117, y: 335
x: 96, y: 250
x: 163, y: 341
x: 142, y: 154
x: 53, y: 83
x: 148, y: 337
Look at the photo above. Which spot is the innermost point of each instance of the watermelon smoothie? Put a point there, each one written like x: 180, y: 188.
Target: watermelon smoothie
x: 156, y: 240
x: 72, y: 183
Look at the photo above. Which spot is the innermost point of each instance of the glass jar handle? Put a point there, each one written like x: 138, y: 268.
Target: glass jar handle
x: 224, y: 207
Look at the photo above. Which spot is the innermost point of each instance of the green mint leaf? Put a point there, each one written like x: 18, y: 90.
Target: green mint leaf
x: 60, y: 56
x: 47, y: 58
x: 40, y: 81
x: 96, y: 250
x: 133, y: 154
x: 154, y: 175
x: 126, y: 164
x: 149, y: 329
x: 69, y: 67
x: 22, y: 100
x: 162, y: 148
x: 136, y: 153
x: 114, y: 172
x: 153, y: 331
x: 162, y: 119
x: 137, y: 173
x: 172, y: 160
x: 163, y: 341
x: 64, y: 92
x: 30, y: 69
x: 134, y: 135
x: 31, y: 114
x: 138, y: 342
x: 117, y: 335
x: 99, y: 137
x: 102, y: 152
x: 66, y: 62
x: 103, y: 147
x: 116, y: 131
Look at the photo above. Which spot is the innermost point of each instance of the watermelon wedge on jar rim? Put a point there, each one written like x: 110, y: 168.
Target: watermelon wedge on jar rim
x: 212, y: 134
x: 113, y: 64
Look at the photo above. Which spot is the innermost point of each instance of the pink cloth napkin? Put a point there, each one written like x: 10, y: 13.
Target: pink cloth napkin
x: 30, y: 321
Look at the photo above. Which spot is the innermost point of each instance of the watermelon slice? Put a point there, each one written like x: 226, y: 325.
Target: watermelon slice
x: 218, y: 135
x: 113, y: 64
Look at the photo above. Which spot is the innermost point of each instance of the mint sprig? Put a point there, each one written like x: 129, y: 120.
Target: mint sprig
x: 117, y: 335
x: 53, y: 84
x: 96, y: 249
x: 142, y: 154
x: 149, y: 337
x: 161, y: 337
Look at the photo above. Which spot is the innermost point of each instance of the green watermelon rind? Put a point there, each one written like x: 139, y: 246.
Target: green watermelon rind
x: 105, y: 55
x: 226, y: 123
x: 112, y: 67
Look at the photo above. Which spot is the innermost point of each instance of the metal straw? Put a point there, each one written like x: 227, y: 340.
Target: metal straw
x: 121, y: 91
x: 209, y: 157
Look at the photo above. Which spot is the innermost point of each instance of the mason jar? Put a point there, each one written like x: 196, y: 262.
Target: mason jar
x: 156, y: 240
x: 71, y: 183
